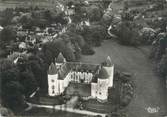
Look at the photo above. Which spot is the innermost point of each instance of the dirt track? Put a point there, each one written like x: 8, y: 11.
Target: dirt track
x: 150, y: 91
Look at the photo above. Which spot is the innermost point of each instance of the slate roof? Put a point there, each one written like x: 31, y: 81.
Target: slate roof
x: 108, y: 62
x: 52, y: 69
x: 60, y: 58
x: 104, y: 73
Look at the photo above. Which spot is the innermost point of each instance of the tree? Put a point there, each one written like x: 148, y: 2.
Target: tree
x: 60, y: 18
x: 87, y: 50
x: 7, y: 16
x: 94, y: 34
x: 127, y: 34
x: 7, y: 35
x: 6, y: 112
x: 52, y: 49
x: 27, y: 79
x: 12, y: 96
x: 39, y: 69
x: 94, y: 13
x: 162, y: 66
x: 8, y: 72
x: 159, y: 47
x: 11, y: 89
x: 5, y: 64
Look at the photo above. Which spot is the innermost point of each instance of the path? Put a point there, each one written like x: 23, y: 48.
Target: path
x: 66, y: 109
x: 150, y: 91
x: 69, y: 107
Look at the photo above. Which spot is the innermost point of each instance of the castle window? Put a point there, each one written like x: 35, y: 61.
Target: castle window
x: 52, y: 80
x: 100, y: 93
x: 53, y: 87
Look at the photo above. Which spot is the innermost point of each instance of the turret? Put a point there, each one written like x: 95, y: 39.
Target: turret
x: 103, y: 74
x: 52, y: 69
x: 108, y: 62
x: 103, y: 83
x: 109, y: 66
x: 60, y: 58
x: 52, y: 79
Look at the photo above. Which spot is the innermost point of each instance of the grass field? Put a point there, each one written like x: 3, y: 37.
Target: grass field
x: 150, y: 91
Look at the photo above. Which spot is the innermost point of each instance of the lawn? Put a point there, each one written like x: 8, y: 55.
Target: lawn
x: 150, y: 89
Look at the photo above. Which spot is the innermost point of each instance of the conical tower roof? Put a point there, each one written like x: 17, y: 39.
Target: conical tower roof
x: 109, y: 62
x: 103, y: 74
x: 52, y: 69
x: 60, y: 58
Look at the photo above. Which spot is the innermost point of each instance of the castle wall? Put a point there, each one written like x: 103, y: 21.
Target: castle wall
x: 55, y: 85
x: 78, y: 76
x: 98, y: 90
x: 111, y: 78
x: 102, y: 86
x: 51, y: 84
x: 94, y: 90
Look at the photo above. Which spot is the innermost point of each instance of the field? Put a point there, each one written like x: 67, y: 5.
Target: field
x: 150, y: 91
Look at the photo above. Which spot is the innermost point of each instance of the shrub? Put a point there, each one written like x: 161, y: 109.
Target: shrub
x: 94, y: 13
x: 7, y: 35
x: 162, y: 66
x: 87, y: 50
x: 94, y: 34
x: 127, y: 34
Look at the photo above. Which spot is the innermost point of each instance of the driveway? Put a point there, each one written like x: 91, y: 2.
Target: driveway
x: 149, y: 100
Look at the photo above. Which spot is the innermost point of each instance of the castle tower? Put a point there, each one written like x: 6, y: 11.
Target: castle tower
x: 52, y: 69
x: 60, y: 60
x: 52, y: 80
x: 110, y: 69
x: 102, y: 84
x: 108, y: 62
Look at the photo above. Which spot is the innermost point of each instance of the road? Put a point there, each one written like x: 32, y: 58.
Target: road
x: 68, y: 107
x: 150, y: 91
